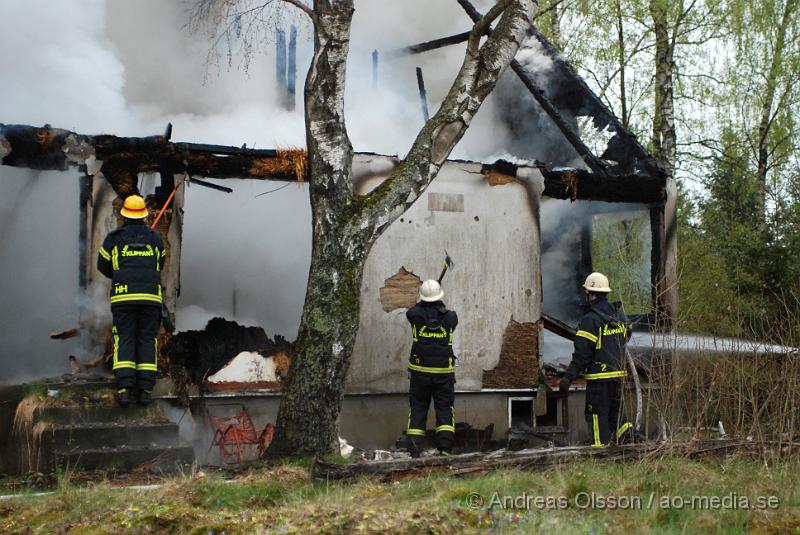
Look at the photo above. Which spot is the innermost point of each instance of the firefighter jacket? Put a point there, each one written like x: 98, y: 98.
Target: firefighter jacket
x: 600, y: 343
x: 132, y: 257
x: 432, y: 327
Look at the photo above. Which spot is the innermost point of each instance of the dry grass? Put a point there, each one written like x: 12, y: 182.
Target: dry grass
x: 27, y: 432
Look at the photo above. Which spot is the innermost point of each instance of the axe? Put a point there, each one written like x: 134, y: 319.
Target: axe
x: 448, y: 263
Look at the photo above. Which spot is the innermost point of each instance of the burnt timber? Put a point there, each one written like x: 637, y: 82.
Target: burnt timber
x: 123, y: 158
x: 575, y: 184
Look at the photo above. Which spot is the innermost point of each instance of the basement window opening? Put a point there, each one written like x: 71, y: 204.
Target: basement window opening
x: 520, y: 412
x: 550, y: 418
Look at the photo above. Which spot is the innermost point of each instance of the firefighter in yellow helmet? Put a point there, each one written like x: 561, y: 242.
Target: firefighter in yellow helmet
x: 132, y: 257
x: 599, y: 356
x: 431, y: 369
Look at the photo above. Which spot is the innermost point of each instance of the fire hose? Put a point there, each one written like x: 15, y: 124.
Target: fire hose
x: 637, y: 421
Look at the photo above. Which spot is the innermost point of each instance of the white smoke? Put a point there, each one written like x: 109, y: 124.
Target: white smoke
x: 128, y: 68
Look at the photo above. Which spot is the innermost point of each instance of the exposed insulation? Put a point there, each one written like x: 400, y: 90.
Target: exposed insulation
x: 400, y: 290
x: 287, y: 162
x: 496, y: 178
x: 518, y: 366
x: 570, y: 181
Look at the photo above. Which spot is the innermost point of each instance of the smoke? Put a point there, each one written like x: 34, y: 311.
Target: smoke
x: 128, y: 68
x: 565, y: 260
x: 39, y: 259
x: 59, y: 67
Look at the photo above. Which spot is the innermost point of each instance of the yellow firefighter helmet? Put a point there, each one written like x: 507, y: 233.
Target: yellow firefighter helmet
x: 134, y: 207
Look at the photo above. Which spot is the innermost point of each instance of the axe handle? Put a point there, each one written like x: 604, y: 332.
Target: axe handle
x: 444, y: 270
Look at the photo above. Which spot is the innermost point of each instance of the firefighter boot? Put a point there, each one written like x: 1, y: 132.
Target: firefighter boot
x: 123, y: 397
x: 145, y: 397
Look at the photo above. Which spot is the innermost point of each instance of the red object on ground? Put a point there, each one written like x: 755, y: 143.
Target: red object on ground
x: 237, y: 438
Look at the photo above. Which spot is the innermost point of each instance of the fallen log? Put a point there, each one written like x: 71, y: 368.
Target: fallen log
x: 465, y: 463
x: 529, y: 459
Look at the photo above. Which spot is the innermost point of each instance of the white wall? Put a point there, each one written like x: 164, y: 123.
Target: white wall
x: 494, y: 243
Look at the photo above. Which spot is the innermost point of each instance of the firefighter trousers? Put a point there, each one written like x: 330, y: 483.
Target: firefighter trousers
x: 135, y: 345
x: 423, y: 387
x: 602, y: 411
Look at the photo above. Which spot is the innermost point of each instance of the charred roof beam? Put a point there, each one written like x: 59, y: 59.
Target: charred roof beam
x: 592, y: 161
x: 427, y: 45
x: 624, y: 147
x: 580, y: 184
x: 121, y: 159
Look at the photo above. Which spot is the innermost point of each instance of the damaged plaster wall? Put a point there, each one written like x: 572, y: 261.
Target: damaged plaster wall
x: 492, y: 235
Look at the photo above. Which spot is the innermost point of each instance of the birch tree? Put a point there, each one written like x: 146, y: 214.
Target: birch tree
x: 764, y: 79
x: 346, y: 225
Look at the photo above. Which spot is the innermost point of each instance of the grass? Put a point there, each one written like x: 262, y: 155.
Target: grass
x: 565, y: 499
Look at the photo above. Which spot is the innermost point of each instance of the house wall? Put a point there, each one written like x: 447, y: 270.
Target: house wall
x: 492, y: 236
x: 371, y: 421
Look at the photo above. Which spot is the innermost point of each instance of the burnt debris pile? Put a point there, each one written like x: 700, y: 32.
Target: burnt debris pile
x: 203, y: 353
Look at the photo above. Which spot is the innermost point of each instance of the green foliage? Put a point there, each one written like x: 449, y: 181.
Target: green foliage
x: 621, y: 250
x: 266, y: 502
x: 736, y: 277
x: 35, y: 389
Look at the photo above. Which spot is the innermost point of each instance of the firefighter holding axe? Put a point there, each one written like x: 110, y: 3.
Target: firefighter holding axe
x: 431, y: 366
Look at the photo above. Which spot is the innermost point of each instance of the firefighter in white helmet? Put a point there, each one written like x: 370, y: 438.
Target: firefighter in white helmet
x: 600, y: 357
x: 431, y: 369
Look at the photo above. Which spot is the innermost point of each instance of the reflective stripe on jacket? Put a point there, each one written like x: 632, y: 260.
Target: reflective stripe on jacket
x: 600, y: 343
x: 432, y: 327
x: 132, y: 257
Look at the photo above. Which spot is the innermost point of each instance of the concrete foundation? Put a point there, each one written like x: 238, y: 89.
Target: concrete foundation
x: 377, y: 421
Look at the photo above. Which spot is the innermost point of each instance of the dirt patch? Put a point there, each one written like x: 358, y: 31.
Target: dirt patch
x: 400, y: 290
x: 518, y: 366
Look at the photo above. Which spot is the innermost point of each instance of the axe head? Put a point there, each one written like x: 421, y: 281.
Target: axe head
x: 448, y: 262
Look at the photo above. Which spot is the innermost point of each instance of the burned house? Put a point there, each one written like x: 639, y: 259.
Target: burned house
x: 523, y: 234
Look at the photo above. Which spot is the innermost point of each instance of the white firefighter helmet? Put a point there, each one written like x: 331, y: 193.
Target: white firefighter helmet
x: 596, y: 282
x: 430, y: 291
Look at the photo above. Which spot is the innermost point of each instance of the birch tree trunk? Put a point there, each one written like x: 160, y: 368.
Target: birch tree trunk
x: 767, y: 115
x: 664, y: 148
x: 345, y: 225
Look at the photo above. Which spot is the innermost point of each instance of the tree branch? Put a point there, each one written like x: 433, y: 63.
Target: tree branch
x: 434, y: 143
x: 480, y: 28
x: 304, y: 8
